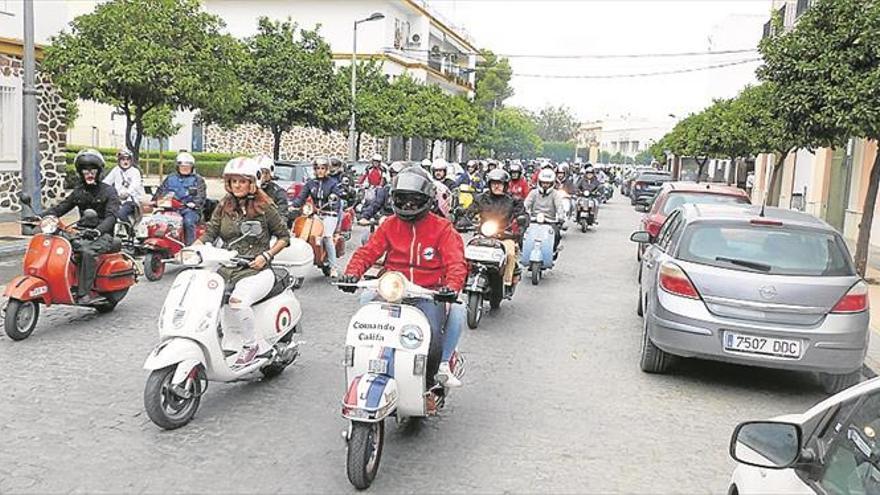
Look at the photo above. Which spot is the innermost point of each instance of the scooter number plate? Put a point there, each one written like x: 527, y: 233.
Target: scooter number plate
x: 483, y: 253
x: 378, y: 366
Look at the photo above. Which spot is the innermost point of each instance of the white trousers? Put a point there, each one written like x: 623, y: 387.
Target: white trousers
x: 248, y: 291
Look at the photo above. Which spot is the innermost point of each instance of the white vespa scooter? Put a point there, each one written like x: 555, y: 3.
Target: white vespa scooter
x: 390, y: 362
x: 195, y: 345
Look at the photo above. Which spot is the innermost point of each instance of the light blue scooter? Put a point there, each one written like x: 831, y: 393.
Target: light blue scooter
x: 537, y: 252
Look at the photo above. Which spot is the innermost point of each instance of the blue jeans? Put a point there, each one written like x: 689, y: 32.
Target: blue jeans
x: 330, y: 222
x: 190, y: 220
x: 126, y: 211
x: 451, y: 323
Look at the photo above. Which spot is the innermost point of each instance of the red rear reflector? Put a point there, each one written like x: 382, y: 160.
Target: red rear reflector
x: 674, y: 281
x: 854, y: 301
x: 761, y: 221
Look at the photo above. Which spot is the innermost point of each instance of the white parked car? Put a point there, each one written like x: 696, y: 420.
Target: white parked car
x: 833, y: 448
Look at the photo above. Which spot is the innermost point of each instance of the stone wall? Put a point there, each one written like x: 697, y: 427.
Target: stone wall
x: 52, y: 140
x: 302, y: 143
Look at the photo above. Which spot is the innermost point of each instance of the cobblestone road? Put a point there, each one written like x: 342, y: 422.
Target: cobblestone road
x: 554, y: 401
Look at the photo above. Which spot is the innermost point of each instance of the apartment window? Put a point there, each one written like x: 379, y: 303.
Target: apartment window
x: 768, y: 29
x: 10, y: 123
x: 802, y: 6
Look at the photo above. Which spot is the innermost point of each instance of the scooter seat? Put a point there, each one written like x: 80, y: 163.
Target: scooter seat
x: 282, y: 281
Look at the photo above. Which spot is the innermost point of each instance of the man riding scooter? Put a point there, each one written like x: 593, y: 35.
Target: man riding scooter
x: 590, y: 183
x: 518, y: 187
x: 425, y: 248
x: 97, y: 234
x: 373, y: 176
x: 326, y: 194
x: 381, y: 205
x: 128, y: 183
x: 440, y: 172
x: 547, y: 200
x: 190, y: 189
x: 498, y: 205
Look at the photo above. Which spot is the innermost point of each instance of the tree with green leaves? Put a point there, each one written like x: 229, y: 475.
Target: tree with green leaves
x: 515, y: 135
x: 827, y: 74
x: 288, y: 80
x: 492, y: 81
x: 557, y: 123
x: 142, y: 55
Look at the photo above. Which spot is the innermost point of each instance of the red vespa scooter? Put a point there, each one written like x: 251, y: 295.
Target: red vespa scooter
x: 160, y: 236
x: 50, y: 274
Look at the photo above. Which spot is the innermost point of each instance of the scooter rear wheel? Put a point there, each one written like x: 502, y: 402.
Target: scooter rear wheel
x: 154, y: 269
x: 164, y: 406
x: 21, y: 318
x: 364, y: 452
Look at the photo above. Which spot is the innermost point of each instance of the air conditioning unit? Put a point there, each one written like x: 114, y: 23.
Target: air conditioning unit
x: 414, y: 40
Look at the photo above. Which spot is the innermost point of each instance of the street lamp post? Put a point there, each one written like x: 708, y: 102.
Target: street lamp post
x: 352, y: 133
x: 30, y: 161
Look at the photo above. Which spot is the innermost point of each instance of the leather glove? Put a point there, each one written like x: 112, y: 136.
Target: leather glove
x: 90, y: 234
x: 349, y: 280
x: 445, y: 294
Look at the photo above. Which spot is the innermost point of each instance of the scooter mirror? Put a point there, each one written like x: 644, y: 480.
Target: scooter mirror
x: 251, y: 228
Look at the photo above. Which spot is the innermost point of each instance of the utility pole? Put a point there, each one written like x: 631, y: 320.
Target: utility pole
x: 30, y: 155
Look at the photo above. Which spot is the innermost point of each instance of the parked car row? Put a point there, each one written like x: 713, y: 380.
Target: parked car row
x: 723, y: 280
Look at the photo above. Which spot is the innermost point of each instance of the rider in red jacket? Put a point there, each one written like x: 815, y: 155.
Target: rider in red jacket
x: 426, y: 249
x: 374, y: 176
x: 518, y: 187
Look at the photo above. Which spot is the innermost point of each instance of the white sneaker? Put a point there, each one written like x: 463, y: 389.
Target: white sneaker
x: 446, y: 378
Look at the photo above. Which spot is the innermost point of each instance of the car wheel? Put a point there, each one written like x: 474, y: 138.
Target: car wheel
x: 653, y: 359
x: 833, y: 383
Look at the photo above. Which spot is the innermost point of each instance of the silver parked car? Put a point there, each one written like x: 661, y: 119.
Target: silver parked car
x: 773, y: 288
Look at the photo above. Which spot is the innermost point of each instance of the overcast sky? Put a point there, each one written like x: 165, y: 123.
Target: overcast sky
x: 586, y: 27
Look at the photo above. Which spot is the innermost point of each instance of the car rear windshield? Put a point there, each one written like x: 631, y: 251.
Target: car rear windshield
x: 766, y: 249
x: 676, y: 199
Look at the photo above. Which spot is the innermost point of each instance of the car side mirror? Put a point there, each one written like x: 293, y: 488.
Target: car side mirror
x: 641, y: 237
x: 767, y: 444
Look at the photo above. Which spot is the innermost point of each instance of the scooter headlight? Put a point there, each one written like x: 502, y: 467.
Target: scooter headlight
x: 392, y: 287
x: 49, y: 225
x: 489, y: 228
x: 411, y: 336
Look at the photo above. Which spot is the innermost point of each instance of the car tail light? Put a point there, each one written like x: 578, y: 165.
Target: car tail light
x: 854, y: 301
x: 653, y: 228
x: 675, y: 281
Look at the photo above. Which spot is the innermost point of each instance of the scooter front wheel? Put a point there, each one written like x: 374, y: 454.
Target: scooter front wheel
x: 154, y: 269
x: 364, y: 452
x: 21, y: 318
x: 536, y: 272
x: 584, y: 226
x: 474, y: 310
x: 169, y: 406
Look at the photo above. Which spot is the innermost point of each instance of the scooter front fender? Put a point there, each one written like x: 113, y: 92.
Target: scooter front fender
x: 477, y: 281
x: 175, y: 351
x: 28, y: 288
x: 370, y: 397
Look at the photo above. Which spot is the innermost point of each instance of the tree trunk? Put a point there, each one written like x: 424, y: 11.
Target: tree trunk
x: 357, y: 145
x: 138, y: 133
x: 276, y: 142
x: 863, y: 243
x: 770, y: 194
x: 431, y: 150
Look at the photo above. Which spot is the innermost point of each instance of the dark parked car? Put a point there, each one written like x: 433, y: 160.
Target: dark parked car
x: 646, y: 186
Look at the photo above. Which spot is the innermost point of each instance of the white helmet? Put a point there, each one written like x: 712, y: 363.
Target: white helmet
x: 264, y: 162
x: 185, y: 157
x: 546, y: 181
x: 439, y: 164
x: 244, y: 166
x: 426, y: 164
x: 376, y: 158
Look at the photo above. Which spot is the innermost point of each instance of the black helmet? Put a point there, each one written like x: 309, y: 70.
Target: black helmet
x: 412, y: 194
x: 336, y: 166
x: 498, y: 175
x: 89, y: 159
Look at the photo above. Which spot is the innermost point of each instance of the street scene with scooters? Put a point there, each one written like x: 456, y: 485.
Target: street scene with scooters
x: 412, y: 246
